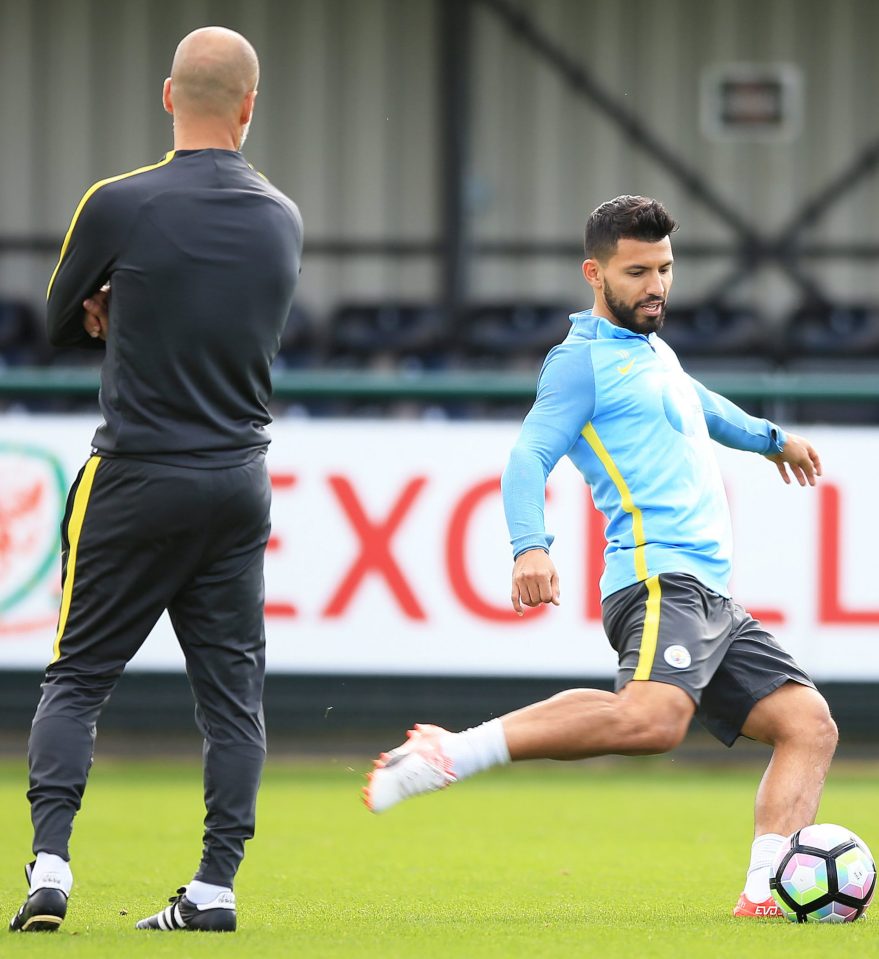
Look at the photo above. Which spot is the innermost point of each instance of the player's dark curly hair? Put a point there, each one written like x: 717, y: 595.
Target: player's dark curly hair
x: 625, y: 217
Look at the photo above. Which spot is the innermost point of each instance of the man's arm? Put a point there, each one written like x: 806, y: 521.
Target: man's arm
x: 733, y: 427
x: 87, y: 255
x: 565, y: 403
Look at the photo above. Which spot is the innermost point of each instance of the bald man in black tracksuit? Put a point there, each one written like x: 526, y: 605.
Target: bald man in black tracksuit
x: 171, y: 511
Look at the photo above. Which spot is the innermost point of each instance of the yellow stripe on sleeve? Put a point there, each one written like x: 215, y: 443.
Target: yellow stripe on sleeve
x: 650, y: 633
x: 74, y: 529
x: 87, y: 196
x: 593, y: 439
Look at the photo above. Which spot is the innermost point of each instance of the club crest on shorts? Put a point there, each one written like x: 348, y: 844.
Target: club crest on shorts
x: 677, y: 657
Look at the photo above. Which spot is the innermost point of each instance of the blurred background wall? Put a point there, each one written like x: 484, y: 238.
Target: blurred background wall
x: 404, y: 126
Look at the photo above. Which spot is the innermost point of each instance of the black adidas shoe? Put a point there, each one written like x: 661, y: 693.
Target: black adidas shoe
x: 43, y: 910
x: 218, y: 915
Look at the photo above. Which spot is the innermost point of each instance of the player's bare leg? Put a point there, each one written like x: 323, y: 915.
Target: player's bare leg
x: 646, y: 717
x: 642, y: 719
x: 796, y: 722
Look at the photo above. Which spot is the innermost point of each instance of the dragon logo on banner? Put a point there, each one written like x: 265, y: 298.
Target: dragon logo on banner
x: 32, y: 488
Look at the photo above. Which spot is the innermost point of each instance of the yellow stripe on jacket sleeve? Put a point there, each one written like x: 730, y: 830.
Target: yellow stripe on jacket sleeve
x: 594, y: 440
x: 74, y: 529
x: 87, y: 196
x: 650, y: 633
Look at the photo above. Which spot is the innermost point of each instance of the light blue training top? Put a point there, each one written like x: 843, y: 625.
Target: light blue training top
x: 638, y: 428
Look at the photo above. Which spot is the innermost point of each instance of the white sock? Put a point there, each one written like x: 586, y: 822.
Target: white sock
x: 51, y: 872
x: 200, y: 893
x: 763, y: 852
x: 476, y: 749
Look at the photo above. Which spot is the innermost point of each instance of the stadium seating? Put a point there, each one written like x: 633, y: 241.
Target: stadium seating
x: 300, y: 343
x: 718, y: 332
x: 407, y: 337
x: 21, y: 341
x: 395, y: 335
x: 838, y: 330
x: 823, y: 340
x: 509, y: 335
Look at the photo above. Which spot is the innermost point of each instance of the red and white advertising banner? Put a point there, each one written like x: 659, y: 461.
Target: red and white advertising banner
x: 389, y: 552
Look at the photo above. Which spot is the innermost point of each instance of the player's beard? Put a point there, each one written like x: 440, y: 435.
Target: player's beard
x: 627, y: 316
x: 244, y: 131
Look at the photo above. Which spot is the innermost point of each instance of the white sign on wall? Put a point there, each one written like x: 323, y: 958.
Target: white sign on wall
x: 751, y: 101
x: 389, y: 553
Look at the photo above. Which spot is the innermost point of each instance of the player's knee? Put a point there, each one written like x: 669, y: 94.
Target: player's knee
x: 665, y: 737
x: 650, y: 734
x: 824, y: 730
x: 806, y: 719
x: 819, y: 731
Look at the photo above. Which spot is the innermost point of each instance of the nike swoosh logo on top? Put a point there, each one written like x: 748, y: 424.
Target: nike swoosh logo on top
x: 626, y: 368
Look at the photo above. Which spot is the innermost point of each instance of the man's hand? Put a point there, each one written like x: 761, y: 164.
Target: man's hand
x: 801, y: 457
x: 96, y: 319
x: 535, y: 580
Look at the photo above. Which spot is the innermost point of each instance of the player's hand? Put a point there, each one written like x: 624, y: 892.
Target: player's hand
x: 801, y: 457
x: 535, y: 580
x: 96, y: 319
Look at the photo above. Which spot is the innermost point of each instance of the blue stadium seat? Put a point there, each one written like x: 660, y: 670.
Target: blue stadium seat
x: 300, y: 346
x: 403, y: 335
x: 713, y: 331
x: 21, y: 342
x: 841, y: 330
x: 498, y: 333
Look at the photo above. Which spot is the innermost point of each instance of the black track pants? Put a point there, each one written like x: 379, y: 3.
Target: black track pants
x: 139, y: 538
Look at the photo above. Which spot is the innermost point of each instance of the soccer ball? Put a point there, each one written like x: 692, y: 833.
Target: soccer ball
x: 823, y: 873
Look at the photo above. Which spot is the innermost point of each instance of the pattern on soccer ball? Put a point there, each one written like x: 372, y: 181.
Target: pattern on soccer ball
x: 823, y: 873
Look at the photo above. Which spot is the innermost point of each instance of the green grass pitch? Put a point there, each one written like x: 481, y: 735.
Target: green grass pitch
x: 616, y: 859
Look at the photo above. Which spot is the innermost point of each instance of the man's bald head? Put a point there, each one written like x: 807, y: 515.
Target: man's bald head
x: 213, y: 70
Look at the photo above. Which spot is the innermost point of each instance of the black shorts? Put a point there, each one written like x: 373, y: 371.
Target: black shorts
x: 671, y: 629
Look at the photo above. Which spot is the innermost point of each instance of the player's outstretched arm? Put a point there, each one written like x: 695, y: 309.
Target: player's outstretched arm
x: 535, y: 580
x: 801, y: 457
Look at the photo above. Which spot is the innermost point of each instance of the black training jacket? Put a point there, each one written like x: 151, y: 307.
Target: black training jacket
x: 202, y: 255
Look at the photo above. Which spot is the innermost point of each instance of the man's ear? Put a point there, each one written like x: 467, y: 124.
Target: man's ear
x: 247, y: 108
x: 166, y: 97
x: 592, y: 273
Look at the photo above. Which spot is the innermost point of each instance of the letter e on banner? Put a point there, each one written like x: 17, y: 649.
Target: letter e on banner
x: 279, y: 608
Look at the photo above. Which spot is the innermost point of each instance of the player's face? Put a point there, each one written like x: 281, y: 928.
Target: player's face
x: 632, y: 286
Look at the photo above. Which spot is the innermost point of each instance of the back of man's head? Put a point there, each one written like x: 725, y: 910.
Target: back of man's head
x: 625, y: 217
x: 213, y: 70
